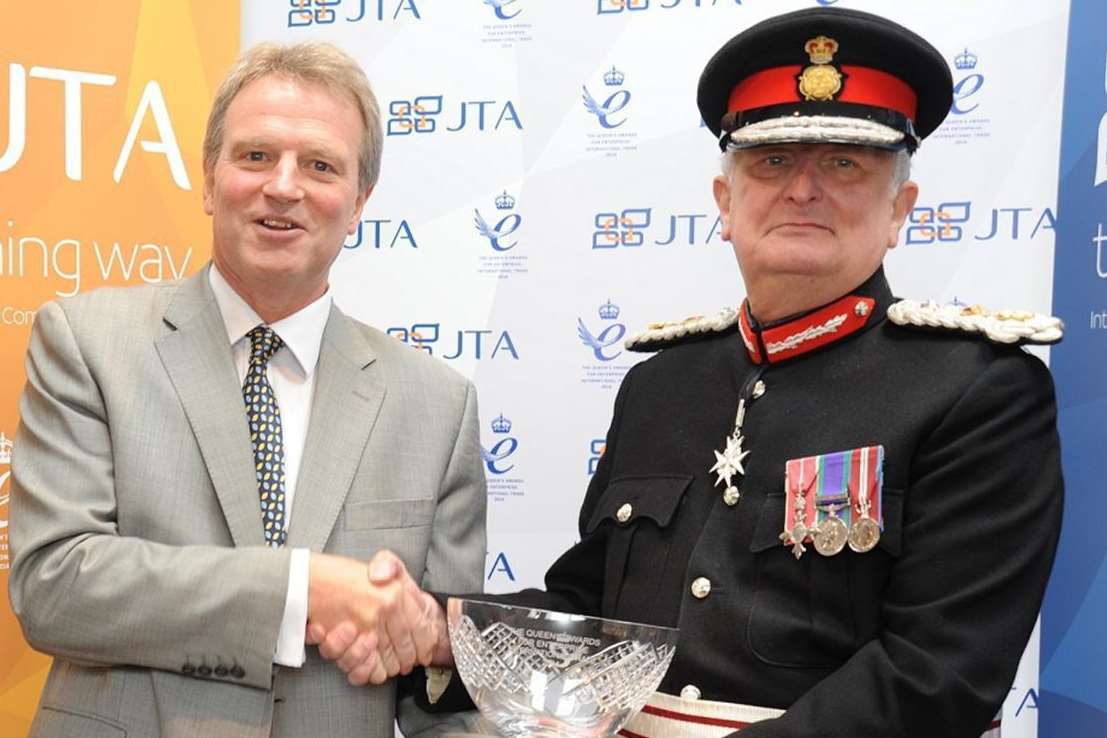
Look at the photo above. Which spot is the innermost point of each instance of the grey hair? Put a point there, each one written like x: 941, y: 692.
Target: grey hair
x: 311, y: 62
x: 901, y: 171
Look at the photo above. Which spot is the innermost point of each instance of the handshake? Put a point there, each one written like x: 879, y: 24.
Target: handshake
x: 372, y: 619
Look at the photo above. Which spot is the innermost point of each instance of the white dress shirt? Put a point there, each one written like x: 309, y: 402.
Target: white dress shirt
x: 291, y: 373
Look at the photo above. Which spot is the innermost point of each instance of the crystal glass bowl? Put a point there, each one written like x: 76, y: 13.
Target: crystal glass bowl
x: 549, y: 674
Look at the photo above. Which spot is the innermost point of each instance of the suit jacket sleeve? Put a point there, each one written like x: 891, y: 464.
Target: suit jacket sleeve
x: 979, y: 533
x: 85, y: 593
x: 455, y: 565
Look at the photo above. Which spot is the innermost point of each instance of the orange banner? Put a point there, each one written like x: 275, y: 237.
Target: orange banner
x: 100, y: 183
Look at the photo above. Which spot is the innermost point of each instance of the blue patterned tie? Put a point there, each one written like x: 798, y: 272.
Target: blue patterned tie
x: 264, y: 417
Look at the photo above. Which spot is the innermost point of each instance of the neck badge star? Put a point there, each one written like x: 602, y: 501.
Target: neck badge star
x: 729, y: 462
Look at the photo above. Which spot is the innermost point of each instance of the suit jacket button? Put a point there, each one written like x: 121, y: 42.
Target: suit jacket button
x: 221, y: 671
x: 204, y: 671
x: 188, y: 669
x: 238, y: 672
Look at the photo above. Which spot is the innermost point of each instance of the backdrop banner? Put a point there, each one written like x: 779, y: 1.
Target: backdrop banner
x: 104, y: 112
x: 1074, y: 649
x: 546, y: 192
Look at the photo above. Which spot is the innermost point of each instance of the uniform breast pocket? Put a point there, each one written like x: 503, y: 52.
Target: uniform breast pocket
x: 813, y: 612
x: 636, y: 514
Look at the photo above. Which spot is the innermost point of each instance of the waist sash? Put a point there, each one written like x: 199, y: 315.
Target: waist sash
x: 666, y: 716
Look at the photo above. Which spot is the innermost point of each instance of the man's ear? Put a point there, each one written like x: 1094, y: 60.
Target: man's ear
x: 720, y: 187
x: 355, y: 217
x: 209, y: 191
x: 902, y: 206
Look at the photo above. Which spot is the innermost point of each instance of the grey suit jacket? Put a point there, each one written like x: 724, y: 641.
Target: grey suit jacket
x: 138, y: 556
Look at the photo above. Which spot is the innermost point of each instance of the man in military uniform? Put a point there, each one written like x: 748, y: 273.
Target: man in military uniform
x: 850, y: 519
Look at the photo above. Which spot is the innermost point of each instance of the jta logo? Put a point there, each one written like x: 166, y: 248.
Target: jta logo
x: 610, y: 336
x: 324, y: 12
x: 500, y: 565
x: 606, y: 7
x: 967, y: 86
x: 501, y: 7
x: 5, y: 494
x: 614, y: 103
x: 496, y: 457
x: 506, y: 225
x: 424, y: 336
x: 1029, y: 702
x: 629, y: 227
x: 151, y: 103
x: 380, y: 233
x: 596, y: 448
x: 420, y: 115
x: 946, y: 223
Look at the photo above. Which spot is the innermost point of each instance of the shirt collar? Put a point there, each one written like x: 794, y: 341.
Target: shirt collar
x: 302, y: 332
x: 799, y: 334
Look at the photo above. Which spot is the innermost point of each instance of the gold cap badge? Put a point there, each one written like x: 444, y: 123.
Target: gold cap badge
x: 821, y: 80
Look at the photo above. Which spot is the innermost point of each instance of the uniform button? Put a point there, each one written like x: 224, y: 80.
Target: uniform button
x: 730, y: 497
x: 204, y: 671
x: 701, y: 587
x: 221, y: 671
x: 862, y: 309
x: 690, y: 692
x: 238, y: 672
x: 624, y: 512
x: 758, y: 389
x: 188, y: 669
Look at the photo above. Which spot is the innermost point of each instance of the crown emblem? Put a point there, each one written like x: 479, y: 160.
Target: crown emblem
x: 505, y: 201
x: 501, y: 424
x: 613, y: 78
x: 821, y: 49
x: 609, y: 310
x: 965, y: 60
x: 820, y: 81
x: 5, y: 449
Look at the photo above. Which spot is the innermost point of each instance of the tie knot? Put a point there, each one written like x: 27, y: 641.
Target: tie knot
x: 264, y: 342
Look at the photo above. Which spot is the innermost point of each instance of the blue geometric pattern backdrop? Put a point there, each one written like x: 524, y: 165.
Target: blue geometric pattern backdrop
x: 1073, y: 697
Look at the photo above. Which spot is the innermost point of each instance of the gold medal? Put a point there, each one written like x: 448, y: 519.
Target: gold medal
x: 830, y: 538
x: 864, y: 535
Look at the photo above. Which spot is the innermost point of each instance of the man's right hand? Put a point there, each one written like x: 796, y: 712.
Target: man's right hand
x: 372, y: 619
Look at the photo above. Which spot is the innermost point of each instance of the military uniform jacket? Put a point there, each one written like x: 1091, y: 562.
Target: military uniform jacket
x: 920, y: 636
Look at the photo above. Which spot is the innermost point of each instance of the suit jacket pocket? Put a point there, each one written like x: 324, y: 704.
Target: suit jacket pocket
x: 52, y: 722
x: 635, y: 514
x: 387, y: 514
x: 803, y: 612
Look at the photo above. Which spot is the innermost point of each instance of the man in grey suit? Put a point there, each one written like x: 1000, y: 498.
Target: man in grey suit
x: 205, y: 467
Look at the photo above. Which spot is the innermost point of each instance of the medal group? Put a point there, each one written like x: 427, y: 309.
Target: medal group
x: 833, y: 500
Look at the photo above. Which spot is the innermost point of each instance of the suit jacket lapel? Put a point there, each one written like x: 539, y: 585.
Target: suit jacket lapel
x: 197, y: 357
x: 348, y: 396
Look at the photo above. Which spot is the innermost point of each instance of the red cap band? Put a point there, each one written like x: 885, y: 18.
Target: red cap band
x: 863, y: 86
